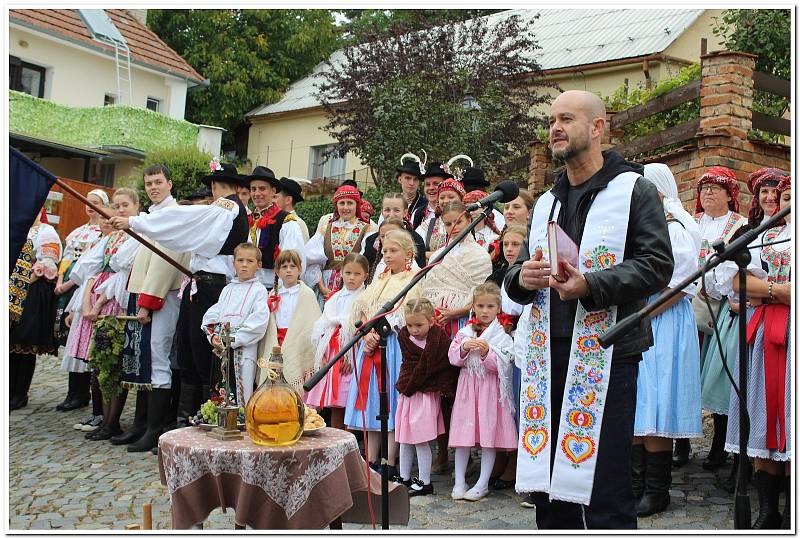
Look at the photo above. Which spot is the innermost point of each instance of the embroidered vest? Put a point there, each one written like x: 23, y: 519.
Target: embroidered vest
x: 239, y: 229
x: 269, y: 240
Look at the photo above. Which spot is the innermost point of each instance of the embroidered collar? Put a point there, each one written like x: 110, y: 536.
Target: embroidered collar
x: 265, y: 217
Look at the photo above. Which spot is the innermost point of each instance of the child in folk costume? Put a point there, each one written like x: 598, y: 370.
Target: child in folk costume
x: 436, y: 234
x: 293, y: 311
x: 393, y: 207
x: 32, y: 305
x: 114, y: 253
x: 486, y: 233
x: 363, y: 398
x: 243, y: 305
x: 424, y: 374
x: 483, y: 412
x: 769, y: 369
x: 377, y: 264
x: 330, y: 332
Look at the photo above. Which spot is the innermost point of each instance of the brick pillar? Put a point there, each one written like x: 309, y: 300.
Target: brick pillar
x: 541, y: 163
x: 726, y: 99
x: 611, y: 138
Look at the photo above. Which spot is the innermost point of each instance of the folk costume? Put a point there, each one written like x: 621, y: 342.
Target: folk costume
x: 243, y: 305
x: 474, y: 180
x: 483, y: 412
x: 487, y: 235
x: 210, y: 233
x: 433, y: 232
x: 292, y: 314
x: 336, y: 238
x: 371, y: 248
x: 32, y: 306
x: 416, y: 167
x: 330, y: 332
x: 273, y: 230
x: 425, y: 375
x: 363, y: 396
x: 577, y: 400
x: 293, y: 189
x: 668, y: 386
x: 449, y: 285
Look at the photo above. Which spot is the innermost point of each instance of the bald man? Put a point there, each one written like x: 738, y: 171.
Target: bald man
x: 615, y: 217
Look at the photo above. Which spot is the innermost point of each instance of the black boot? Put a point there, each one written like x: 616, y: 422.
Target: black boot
x: 27, y: 366
x: 158, y: 409
x: 637, y: 470
x: 716, y: 455
x: 189, y: 395
x: 70, y: 392
x: 13, y: 374
x: 768, y: 487
x: 729, y: 483
x: 786, y: 521
x: 139, y: 422
x: 682, y: 449
x: 174, y: 401
x: 80, y: 393
x: 657, y: 480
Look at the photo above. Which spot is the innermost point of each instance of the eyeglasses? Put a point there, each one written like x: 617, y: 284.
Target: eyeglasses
x: 711, y: 188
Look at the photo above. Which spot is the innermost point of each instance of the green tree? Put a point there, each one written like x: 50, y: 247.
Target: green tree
x: 366, y: 24
x: 186, y: 166
x: 463, y: 88
x: 250, y: 56
x: 766, y: 33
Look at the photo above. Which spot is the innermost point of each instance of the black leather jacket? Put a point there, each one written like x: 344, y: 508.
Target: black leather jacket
x: 646, y: 269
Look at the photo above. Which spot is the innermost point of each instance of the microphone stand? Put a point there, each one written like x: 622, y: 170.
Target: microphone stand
x: 738, y: 252
x: 381, y: 325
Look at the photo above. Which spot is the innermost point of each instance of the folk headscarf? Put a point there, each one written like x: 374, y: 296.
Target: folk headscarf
x: 724, y: 177
x: 475, y: 196
x: 450, y: 184
x: 784, y: 184
x: 661, y: 176
x: 351, y: 193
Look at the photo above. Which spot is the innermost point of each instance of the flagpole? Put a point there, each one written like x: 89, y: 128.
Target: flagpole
x: 69, y: 189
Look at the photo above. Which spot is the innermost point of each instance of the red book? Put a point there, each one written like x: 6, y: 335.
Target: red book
x: 562, y: 250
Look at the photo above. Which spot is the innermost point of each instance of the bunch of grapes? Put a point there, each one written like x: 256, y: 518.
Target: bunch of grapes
x: 209, y: 412
x: 101, y: 339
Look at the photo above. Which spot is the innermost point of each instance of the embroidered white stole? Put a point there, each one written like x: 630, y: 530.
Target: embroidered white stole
x: 578, y: 435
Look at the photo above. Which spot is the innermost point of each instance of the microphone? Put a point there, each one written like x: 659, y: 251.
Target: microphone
x: 506, y: 191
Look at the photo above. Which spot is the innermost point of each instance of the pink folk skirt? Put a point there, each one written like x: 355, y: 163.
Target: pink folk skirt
x: 418, y: 418
x: 78, y: 346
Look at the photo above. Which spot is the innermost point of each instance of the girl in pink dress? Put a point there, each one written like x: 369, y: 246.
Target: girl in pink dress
x: 330, y: 333
x: 483, y: 413
x: 424, y: 375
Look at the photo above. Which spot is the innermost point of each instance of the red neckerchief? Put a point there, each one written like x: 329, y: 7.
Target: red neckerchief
x: 273, y: 302
x: 267, y: 217
x: 478, y: 328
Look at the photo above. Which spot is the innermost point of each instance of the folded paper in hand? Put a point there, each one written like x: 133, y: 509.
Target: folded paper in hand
x: 562, y: 250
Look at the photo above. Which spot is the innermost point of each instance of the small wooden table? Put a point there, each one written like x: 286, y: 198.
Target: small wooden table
x: 318, y: 482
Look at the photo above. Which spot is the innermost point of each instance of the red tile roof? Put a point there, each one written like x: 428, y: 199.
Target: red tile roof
x: 146, y: 47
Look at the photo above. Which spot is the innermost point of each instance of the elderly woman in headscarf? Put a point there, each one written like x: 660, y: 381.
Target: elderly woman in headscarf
x: 769, y: 372
x: 718, y: 218
x: 668, y: 387
x: 337, y: 237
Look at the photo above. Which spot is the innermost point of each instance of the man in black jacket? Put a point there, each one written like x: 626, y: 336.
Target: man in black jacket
x: 577, y: 122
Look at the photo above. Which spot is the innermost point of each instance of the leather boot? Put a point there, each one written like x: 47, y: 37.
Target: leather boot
x: 175, y: 397
x: 786, y: 521
x: 189, y: 395
x: 27, y: 366
x: 716, y: 455
x: 682, y: 449
x: 657, y: 481
x: 768, y: 487
x: 139, y: 422
x: 70, y: 392
x: 158, y: 409
x: 13, y: 374
x: 637, y: 470
x: 80, y: 393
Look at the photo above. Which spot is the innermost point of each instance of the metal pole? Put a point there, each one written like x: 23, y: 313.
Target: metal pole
x: 741, y: 512
x: 131, y: 233
x: 383, y: 330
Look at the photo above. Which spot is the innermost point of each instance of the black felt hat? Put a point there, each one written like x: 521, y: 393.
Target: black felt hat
x: 264, y: 174
x: 197, y: 194
x: 225, y: 174
x: 293, y: 189
x: 435, y: 169
x: 474, y: 178
x: 409, y: 166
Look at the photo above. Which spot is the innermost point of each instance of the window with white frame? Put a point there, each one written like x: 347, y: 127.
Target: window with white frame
x: 26, y: 77
x: 325, y: 162
x: 153, y: 104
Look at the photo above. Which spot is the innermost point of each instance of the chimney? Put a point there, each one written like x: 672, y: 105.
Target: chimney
x: 140, y: 15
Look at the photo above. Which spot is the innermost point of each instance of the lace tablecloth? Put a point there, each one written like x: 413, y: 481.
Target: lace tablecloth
x: 307, y: 485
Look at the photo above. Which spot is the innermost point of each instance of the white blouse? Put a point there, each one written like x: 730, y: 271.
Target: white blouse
x: 288, y: 304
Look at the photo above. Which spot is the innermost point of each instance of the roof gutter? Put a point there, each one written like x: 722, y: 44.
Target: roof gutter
x: 102, y: 50
x: 658, y: 58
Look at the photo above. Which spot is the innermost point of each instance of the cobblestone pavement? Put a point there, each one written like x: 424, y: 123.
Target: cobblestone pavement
x: 59, y: 480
